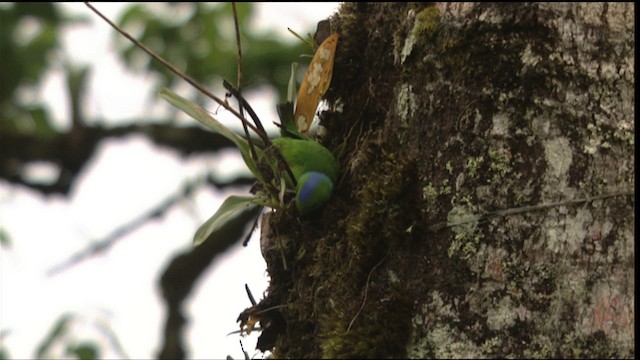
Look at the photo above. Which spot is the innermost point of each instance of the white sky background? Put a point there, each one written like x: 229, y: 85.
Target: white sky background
x: 127, y: 177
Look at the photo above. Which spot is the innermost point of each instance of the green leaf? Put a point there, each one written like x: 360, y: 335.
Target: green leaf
x: 58, y: 330
x: 288, y: 126
x: 41, y: 119
x: 232, y: 207
x: 84, y: 351
x: 197, y: 112
x: 5, y: 239
x: 291, y: 89
x: 4, y: 353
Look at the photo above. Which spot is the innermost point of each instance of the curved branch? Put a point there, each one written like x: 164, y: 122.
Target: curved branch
x: 72, y: 150
x: 100, y: 246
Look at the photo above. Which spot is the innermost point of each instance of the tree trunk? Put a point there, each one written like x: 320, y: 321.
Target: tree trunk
x: 442, y: 115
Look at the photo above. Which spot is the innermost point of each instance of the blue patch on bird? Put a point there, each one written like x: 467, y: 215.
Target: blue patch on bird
x: 309, y: 187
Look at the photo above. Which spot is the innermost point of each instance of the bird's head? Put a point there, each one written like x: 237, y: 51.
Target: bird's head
x: 313, y: 190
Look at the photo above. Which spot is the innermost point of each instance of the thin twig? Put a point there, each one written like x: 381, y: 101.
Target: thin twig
x: 523, y: 209
x: 258, y: 123
x: 245, y: 242
x: 236, y: 21
x: 239, y: 79
x: 106, y: 243
x: 366, y: 288
x: 250, y: 295
x: 245, y: 104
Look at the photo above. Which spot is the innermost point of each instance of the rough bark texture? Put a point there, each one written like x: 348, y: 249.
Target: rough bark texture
x: 442, y: 112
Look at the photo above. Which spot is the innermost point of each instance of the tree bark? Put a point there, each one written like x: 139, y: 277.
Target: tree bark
x: 441, y: 115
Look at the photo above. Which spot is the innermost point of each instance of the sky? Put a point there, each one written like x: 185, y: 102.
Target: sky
x: 127, y: 177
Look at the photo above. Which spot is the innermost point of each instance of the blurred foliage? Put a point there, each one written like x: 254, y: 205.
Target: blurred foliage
x: 28, y: 34
x: 29, y: 43
x: 62, y: 340
x: 197, y: 38
x: 5, y: 239
x: 58, y: 331
x: 4, y: 352
x: 200, y: 40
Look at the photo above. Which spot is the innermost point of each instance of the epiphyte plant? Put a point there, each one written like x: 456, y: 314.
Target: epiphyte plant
x: 292, y: 161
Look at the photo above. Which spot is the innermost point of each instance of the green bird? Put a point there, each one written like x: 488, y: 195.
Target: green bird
x: 313, y: 166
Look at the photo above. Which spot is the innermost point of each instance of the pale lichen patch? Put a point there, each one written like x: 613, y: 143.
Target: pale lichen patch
x: 565, y: 234
x: 502, y: 315
x: 448, y: 344
x: 594, y: 141
x: 393, y: 277
x: 528, y: 58
x: 559, y: 157
x: 430, y: 340
x: 406, y: 104
x: 541, y: 127
x: 408, y: 47
x: 425, y: 26
x: 464, y: 223
x: 500, y: 124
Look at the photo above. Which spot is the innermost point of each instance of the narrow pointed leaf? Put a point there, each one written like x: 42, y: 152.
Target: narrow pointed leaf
x: 288, y: 127
x: 58, y: 331
x: 232, y: 207
x: 291, y: 89
x: 197, y: 112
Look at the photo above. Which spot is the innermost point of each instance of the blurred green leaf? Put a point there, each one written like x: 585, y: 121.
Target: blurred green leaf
x: 24, y: 57
x: 84, y: 351
x: 4, y: 353
x: 41, y: 123
x: 230, y: 208
x: 112, y: 338
x: 59, y: 329
x: 29, y: 36
x: 5, y: 239
x: 201, y: 42
x: 198, y: 113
